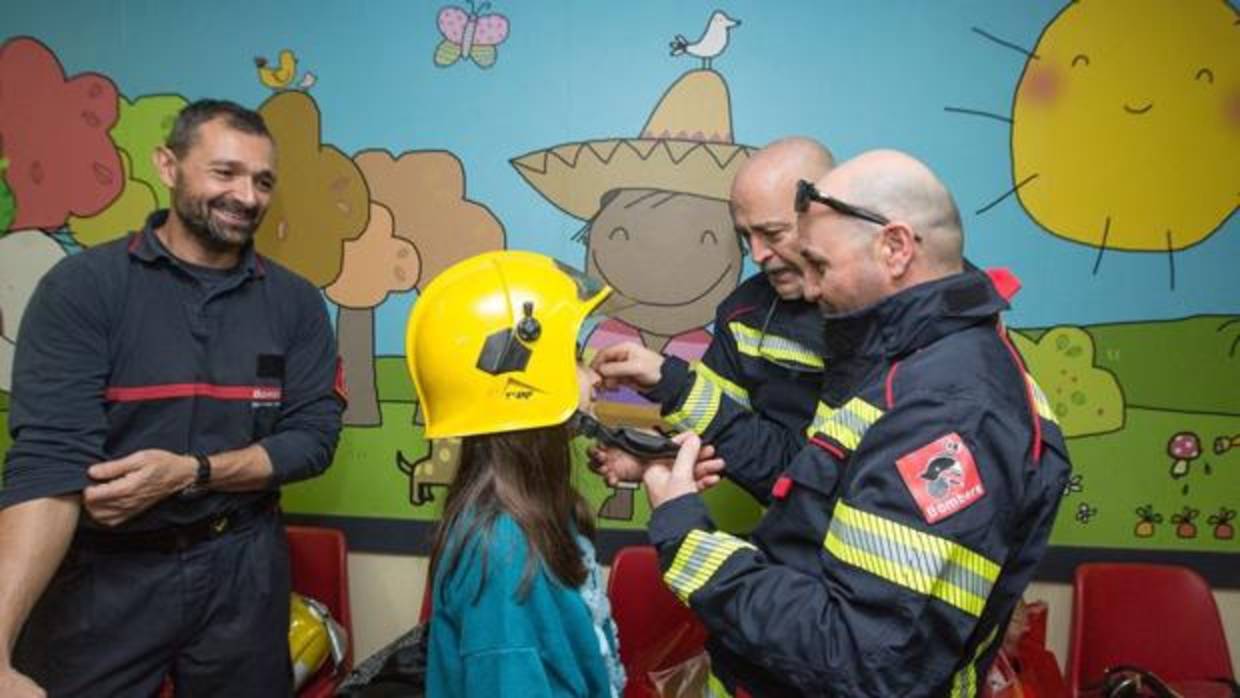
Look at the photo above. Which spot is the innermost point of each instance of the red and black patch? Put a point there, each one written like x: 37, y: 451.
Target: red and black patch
x: 942, y: 477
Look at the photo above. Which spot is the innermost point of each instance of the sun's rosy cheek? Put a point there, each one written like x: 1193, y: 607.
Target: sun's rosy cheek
x: 1041, y: 85
x: 1231, y: 108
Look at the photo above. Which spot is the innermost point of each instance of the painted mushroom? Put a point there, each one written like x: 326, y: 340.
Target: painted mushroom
x: 1223, y: 444
x: 1184, y: 447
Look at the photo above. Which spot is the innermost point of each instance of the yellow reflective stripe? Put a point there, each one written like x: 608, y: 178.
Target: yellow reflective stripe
x: 750, y: 342
x: 699, y: 556
x: 964, y: 682
x: 732, y: 390
x: 699, y: 408
x: 847, y: 425
x: 820, y: 418
x: 1039, y: 399
x: 924, y: 563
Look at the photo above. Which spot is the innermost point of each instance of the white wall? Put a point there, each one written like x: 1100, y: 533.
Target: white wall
x: 386, y: 594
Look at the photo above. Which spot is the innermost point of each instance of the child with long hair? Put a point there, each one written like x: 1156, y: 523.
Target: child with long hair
x: 518, y: 609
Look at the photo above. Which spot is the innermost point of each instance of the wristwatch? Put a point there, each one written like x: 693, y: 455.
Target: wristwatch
x: 199, y: 486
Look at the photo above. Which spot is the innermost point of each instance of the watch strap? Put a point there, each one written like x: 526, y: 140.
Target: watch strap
x: 204, y: 470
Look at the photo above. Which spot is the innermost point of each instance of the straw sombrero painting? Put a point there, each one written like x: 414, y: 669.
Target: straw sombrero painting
x: 685, y: 146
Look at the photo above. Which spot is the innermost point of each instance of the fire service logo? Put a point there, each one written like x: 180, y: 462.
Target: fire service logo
x: 942, y: 477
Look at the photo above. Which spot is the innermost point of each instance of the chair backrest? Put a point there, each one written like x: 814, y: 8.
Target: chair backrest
x: 656, y: 630
x: 1162, y: 618
x: 320, y: 566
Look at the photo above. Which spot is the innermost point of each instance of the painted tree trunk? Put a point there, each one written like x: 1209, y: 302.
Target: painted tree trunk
x: 355, y: 339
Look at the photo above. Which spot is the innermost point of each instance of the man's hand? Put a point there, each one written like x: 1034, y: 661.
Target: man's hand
x: 131, y: 485
x: 628, y: 364
x: 616, y: 466
x: 15, y: 685
x: 666, y: 480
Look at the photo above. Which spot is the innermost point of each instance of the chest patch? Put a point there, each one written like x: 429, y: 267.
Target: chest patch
x: 942, y: 477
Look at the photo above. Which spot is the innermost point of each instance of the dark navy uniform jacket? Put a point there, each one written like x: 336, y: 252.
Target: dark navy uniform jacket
x: 123, y: 347
x: 753, y: 393
x: 899, y: 540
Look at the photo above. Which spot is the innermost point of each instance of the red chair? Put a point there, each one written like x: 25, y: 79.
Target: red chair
x: 1161, y: 618
x: 656, y: 631
x: 319, y: 560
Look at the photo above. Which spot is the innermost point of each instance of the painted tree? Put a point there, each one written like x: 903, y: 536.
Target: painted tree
x: 320, y: 199
x: 374, y: 265
x: 25, y: 256
x: 54, y: 134
x: 8, y: 205
x: 424, y: 191
x: 126, y: 213
x: 143, y: 126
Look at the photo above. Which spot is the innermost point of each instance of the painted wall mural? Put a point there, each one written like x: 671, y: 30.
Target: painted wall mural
x: 1101, y: 154
x: 607, y: 135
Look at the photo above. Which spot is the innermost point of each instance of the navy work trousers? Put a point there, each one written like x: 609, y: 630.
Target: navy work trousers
x: 213, y: 617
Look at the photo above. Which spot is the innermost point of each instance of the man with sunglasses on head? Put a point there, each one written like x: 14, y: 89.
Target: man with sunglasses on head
x: 753, y: 393
x: 900, y: 539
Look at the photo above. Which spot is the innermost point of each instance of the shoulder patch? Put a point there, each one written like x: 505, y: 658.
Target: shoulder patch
x: 942, y: 477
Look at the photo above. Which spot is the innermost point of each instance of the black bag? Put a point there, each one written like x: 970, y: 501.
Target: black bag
x: 396, y: 671
x: 1134, y: 682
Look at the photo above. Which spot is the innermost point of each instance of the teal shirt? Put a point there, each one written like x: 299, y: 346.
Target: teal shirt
x: 486, y: 642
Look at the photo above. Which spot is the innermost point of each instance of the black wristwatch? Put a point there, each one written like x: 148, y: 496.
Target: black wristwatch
x: 199, y: 486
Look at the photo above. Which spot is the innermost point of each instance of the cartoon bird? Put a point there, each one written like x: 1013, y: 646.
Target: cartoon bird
x: 281, y: 77
x: 713, y: 42
x: 471, y: 34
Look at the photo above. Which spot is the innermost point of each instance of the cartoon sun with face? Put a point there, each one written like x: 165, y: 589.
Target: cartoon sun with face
x: 1126, y: 124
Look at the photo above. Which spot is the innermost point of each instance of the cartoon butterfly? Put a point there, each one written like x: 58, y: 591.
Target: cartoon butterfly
x: 471, y: 34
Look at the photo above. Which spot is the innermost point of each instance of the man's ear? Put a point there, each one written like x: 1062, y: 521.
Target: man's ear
x: 898, y: 245
x: 165, y: 162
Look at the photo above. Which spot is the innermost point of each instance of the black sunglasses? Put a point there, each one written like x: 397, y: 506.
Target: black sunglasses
x: 807, y: 192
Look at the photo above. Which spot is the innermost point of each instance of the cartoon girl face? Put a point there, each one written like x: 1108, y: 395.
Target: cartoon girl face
x: 670, y: 257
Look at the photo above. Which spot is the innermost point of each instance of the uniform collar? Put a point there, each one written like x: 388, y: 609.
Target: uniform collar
x: 144, y: 245
x: 914, y: 318
x: 798, y: 320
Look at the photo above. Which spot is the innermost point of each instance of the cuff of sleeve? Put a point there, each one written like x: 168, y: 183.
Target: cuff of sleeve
x: 282, y: 451
x: 673, y: 380
x: 673, y: 520
x: 13, y: 493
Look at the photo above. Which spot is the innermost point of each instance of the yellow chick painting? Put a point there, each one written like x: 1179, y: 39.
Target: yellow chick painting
x: 280, y: 77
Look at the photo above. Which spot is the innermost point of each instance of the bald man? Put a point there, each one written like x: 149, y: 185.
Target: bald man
x: 901, y: 537
x: 753, y: 394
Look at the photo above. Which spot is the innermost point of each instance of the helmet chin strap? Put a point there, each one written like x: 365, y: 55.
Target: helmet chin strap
x: 641, y: 444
